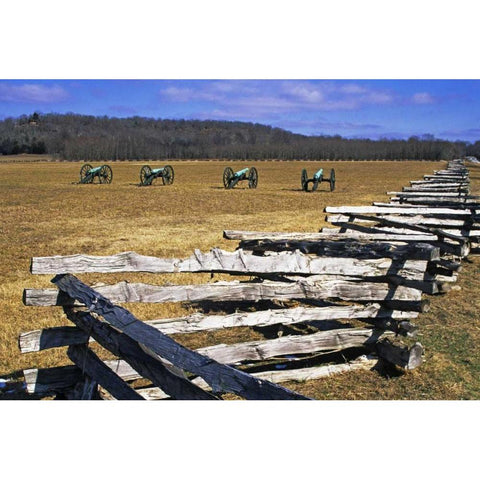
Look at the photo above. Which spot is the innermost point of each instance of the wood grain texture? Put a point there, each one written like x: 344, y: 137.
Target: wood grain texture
x: 124, y: 292
x: 219, y: 377
x: 443, y: 223
x: 328, y: 341
x: 326, y: 235
x: 399, y: 354
x: 430, y: 211
x: 175, y: 385
x: 219, y: 261
x: 38, y: 340
x: 349, y: 248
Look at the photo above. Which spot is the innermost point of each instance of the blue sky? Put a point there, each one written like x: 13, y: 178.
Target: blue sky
x: 447, y: 109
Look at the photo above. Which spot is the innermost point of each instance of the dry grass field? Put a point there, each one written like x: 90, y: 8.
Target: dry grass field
x: 44, y: 213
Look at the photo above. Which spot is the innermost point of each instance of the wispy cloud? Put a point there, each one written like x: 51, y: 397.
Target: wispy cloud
x: 32, y: 93
x: 238, y: 97
x: 422, y: 98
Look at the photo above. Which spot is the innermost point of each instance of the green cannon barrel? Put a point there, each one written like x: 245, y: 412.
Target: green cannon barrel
x: 241, y: 172
x: 318, y: 174
x: 156, y: 171
x: 95, y: 170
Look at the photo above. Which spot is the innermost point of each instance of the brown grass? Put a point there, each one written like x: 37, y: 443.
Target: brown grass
x: 44, y: 213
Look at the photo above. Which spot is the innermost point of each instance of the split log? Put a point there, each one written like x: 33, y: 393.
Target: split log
x: 433, y: 194
x: 328, y: 341
x: 124, y: 292
x: 447, y: 178
x: 430, y: 211
x: 219, y: 377
x: 443, y: 199
x: 326, y: 235
x: 364, y: 362
x: 411, y: 227
x: 281, y: 376
x: 147, y: 366
x: 445, y: 245
x: 399, y: 354
x: 427, y: 202
x: 89, y: 362
x: 442, y: 223
x: 352, y: 248
x: 38, y: 340
x: 433, y: 188
x: 218, y: 261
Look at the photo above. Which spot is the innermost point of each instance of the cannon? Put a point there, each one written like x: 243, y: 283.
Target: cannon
x: 317, y: 178
x: 148, y: 175
x: 230, y: 179
x: 88, y: 174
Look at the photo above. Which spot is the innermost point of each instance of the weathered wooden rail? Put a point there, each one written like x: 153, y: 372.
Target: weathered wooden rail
x: 339, y: 300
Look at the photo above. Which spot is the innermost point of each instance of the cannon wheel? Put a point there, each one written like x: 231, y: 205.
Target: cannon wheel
x: 168, y: 175
x: 253, y: 178
x: 84, y: 171
x: 145, y: 173
x: 332, y: 180
x: 105, y: 175
x: 227, y: 177
x: 304, y: 180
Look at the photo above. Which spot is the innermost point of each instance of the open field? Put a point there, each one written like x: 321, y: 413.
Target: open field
x: 44, y: 213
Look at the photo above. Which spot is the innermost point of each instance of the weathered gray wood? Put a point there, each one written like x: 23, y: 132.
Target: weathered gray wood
x: 426, y: 202
x: 37, y: 340
x: 443, y: 223
x: 433, y: 194
x: 225, y: 262
x: 431, y: 211
x: 63, y: 378
x: 312, y: 373
x: 364, y: 362
x: 327, y: 341
x: 419, y: 228
x: 352, y: 248
x: 447, y: 178
x: 326, y: 235
x: 445, y: 245
x: 147, y: 366
x: 399, y: 354
x: 219, y: 377
x: 438, y: 200
x: 424, y: 189
x: 124, y: 292
x: 89, y: 362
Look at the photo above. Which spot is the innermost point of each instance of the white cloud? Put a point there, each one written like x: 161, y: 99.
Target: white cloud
x: 277, y: 96
x: 422, y: 98
x: 32, y: 93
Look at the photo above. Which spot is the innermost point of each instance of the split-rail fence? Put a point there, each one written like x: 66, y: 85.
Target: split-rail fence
x: 338, y: 300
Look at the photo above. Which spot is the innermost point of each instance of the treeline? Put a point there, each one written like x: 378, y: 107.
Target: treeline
x: 82, y: 137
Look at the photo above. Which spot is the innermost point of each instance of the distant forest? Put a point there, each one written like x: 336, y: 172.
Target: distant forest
x: 83, y: 137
